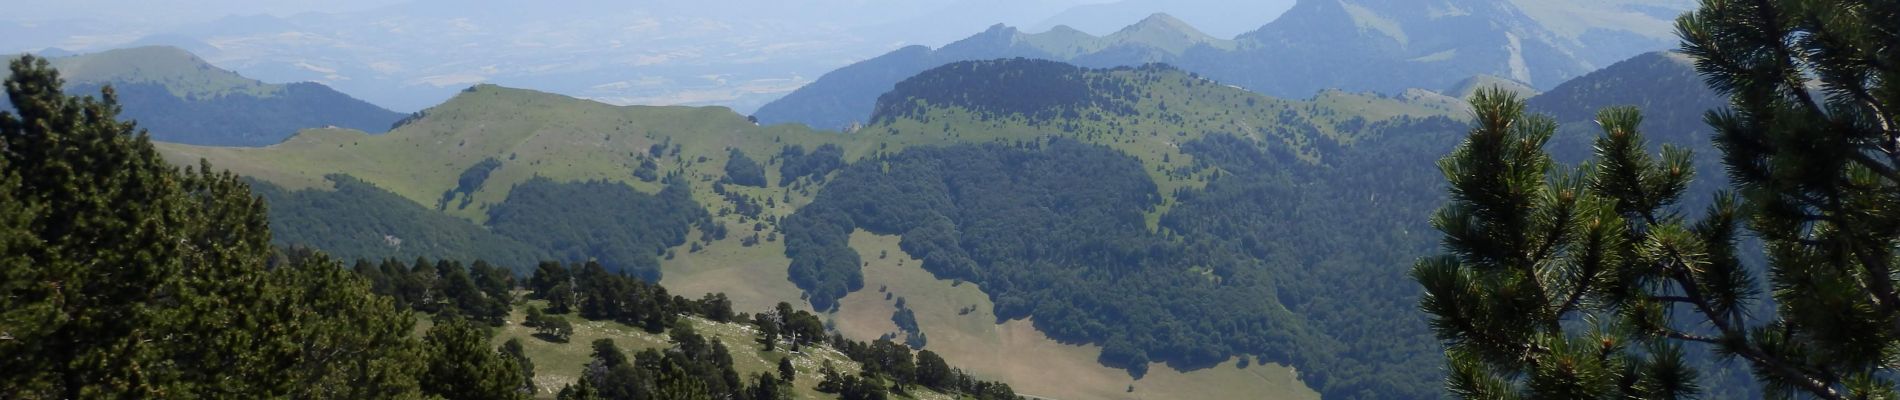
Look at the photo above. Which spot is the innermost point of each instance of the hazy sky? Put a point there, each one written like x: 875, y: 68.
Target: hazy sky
x: 410, y: 54
x: 174, y: 11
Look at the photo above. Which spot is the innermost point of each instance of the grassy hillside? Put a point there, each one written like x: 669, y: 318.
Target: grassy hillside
x: 181, y: 98
x: 1146, y: 112
x: 513, y: 135
x: 564, y: 139
x: 531, y: 134
x: 523, y: 135
x: 179, y: 72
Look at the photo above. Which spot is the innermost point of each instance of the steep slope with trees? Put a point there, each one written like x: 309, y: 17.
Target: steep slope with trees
x: 1315, y: 217
x: 1164, y: 224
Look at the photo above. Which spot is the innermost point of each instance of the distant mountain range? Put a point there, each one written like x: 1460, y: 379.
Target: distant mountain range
x: 181, y: 98
x: 1355, y: 45
x: 847, y: 95
x: 1220, y: 18
x: 417, y: 53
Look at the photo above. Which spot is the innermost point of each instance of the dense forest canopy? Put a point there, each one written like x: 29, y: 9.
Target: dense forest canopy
x: 994, y: 89
x: 1069, y: 247
x: 359, y: 220
x: 621, y: 227
x: 244, y: 120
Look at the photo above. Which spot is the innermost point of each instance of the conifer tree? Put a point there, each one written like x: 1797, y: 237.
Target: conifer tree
x: 786, y: 372
x: 123, y: 277
x: 1533, y: 245
x: 1590, y: 283
x: 1812, y: 144
x: 462, y: 366
x: 514, y: 353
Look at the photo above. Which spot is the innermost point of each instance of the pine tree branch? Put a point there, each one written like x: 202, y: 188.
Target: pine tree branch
x: 1576, y: 296
x: 1786, y: 68
x: 1815, y: 386
x: 1678, y: 335
x: 1677, y: 267
x: 1878, y: 280
x: 1884, y: 170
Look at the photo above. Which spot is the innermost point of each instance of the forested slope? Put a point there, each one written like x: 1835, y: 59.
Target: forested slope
x: 1288, y: 241
x: 1279, y: 229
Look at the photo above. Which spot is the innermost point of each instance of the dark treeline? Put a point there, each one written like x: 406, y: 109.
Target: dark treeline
x: 479, y: 291
x: 743, y: 171
x: 624, y: 229
x: 886, y: 360
x: 356, y: 219
x: 993, y: 88
x: 241, y: 119
x: 468, y: 183
x: 795, y: 163
x: 1324, y: 242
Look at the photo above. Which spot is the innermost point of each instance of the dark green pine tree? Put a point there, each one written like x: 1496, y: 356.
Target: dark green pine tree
x: 1812, y: 144
x: 1587, y: 282
x: 786, y: 372
x: 933, y: 372
x: 583, y: 390
x: 676, y: 383
x: 123, y: 277
x: 102, y: 218
x: 1534, y: 246
x: 462, y: 366
x: 516, y: 354
x: 333, y: 314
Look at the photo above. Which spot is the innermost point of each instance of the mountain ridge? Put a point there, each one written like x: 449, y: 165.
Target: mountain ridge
x: 179, y: 97
x: 1354, y: 45
x: 837, y: 99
